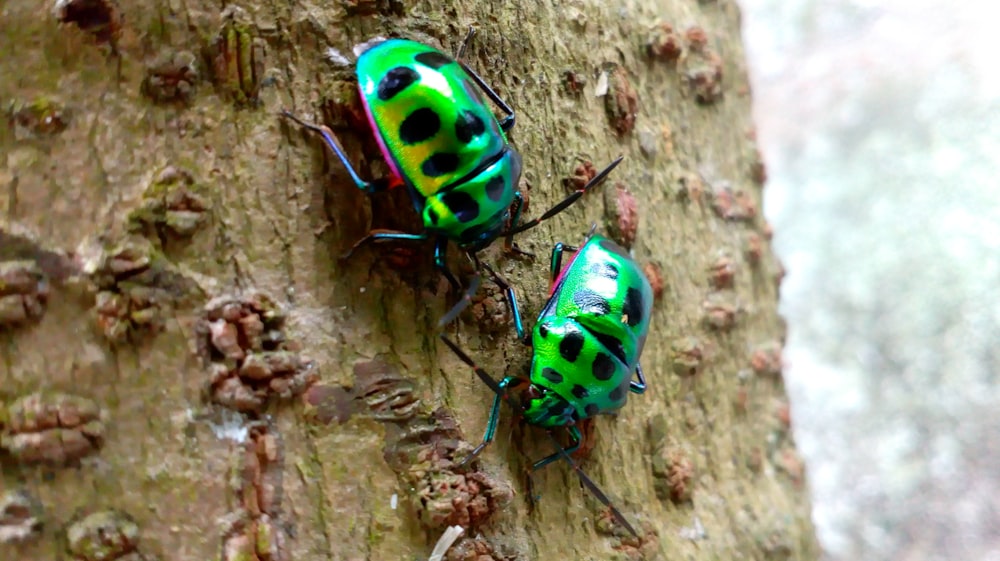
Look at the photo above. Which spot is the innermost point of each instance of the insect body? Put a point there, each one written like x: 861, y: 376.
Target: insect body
x: 589, y: 335
x: 442, y: 141
x: 440, y: 138
x: 586, y: 346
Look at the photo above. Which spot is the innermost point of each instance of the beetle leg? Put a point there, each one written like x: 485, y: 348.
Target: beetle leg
x: 461, y: 304
x: 508, y: 122
x: 505, y: 286
x: 465, y: 43
x: 376, y: 236
x: 555, y: 263
x: 569, y: 200
x: 508, y: 243
x: 515, y: 312
x: 491, y: 424
x: 574, y: 437
x: 499, y: 394
x: 638, y: 386
x: 500, y: 391
x: 588, y: 482
x: 331, y: 141
x: 466, y: 299
x: 440, y: 251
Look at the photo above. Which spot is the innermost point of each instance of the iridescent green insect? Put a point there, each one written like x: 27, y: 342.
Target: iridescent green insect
x: 442, y: 141
x: 586, y: 347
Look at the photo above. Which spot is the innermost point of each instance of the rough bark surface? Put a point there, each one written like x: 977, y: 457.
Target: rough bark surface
x: 170, y: 255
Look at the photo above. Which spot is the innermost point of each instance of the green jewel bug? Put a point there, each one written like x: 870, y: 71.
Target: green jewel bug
x: 585, y: 349
x: 444, y: 144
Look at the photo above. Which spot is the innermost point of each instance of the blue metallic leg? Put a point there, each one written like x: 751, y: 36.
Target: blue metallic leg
x: 440, y: 251
x: 515, y: 312
x: 329, y: 138
x: 384, y: 236
x: 491, y: 425
x: 508, y: 243
x: 555, y: 263
x: 639, y: 386
x: 575, y: 438
x: 465, y: 43
x: 461, y: 304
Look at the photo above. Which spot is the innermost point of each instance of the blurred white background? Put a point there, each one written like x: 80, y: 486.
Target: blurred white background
x: 880, y: 125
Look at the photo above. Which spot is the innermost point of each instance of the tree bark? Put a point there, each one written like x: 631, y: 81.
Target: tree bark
x: 190, y: 368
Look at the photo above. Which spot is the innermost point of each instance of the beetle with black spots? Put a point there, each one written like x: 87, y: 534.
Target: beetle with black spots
x: 443, y: 143
x: 586, y: 345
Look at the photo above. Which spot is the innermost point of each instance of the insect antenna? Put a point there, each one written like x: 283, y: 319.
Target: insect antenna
x: 591, y: 486
x: 519, y: 410
x: 569, y: 200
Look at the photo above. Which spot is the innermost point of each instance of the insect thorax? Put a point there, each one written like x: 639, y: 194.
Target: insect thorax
x: 475, y: 210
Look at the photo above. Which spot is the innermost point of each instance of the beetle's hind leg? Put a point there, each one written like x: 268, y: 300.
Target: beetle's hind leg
x: 383, y: 236
x: 331, y: 140
x: 465, y: 43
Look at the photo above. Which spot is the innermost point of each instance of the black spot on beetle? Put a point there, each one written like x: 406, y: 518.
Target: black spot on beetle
x: 571, y: 345
x: 612, y: 247
x: 495, y: 188
x: 591, y: 409
x: 434, y: 59
x: 433, y: 216
x: 462, y: 205
x: 618, y: 393
x: 440, y: 163
x: 633, y: 306
x: 419, y: 126
x: 468, y: 126
x: 603, y: 367
x: 612, y: 343
x: 552, y: 376
x: 607, y: 270
x: 579, y: 391
x: 395, y: 81
x: 591, y: 302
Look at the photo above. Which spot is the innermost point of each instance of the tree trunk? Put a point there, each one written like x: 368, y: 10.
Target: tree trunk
x: 190, y: 371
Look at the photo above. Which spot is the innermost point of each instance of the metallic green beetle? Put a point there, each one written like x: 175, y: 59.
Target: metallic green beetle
x: 442, y: 141
x: 586, y: 346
